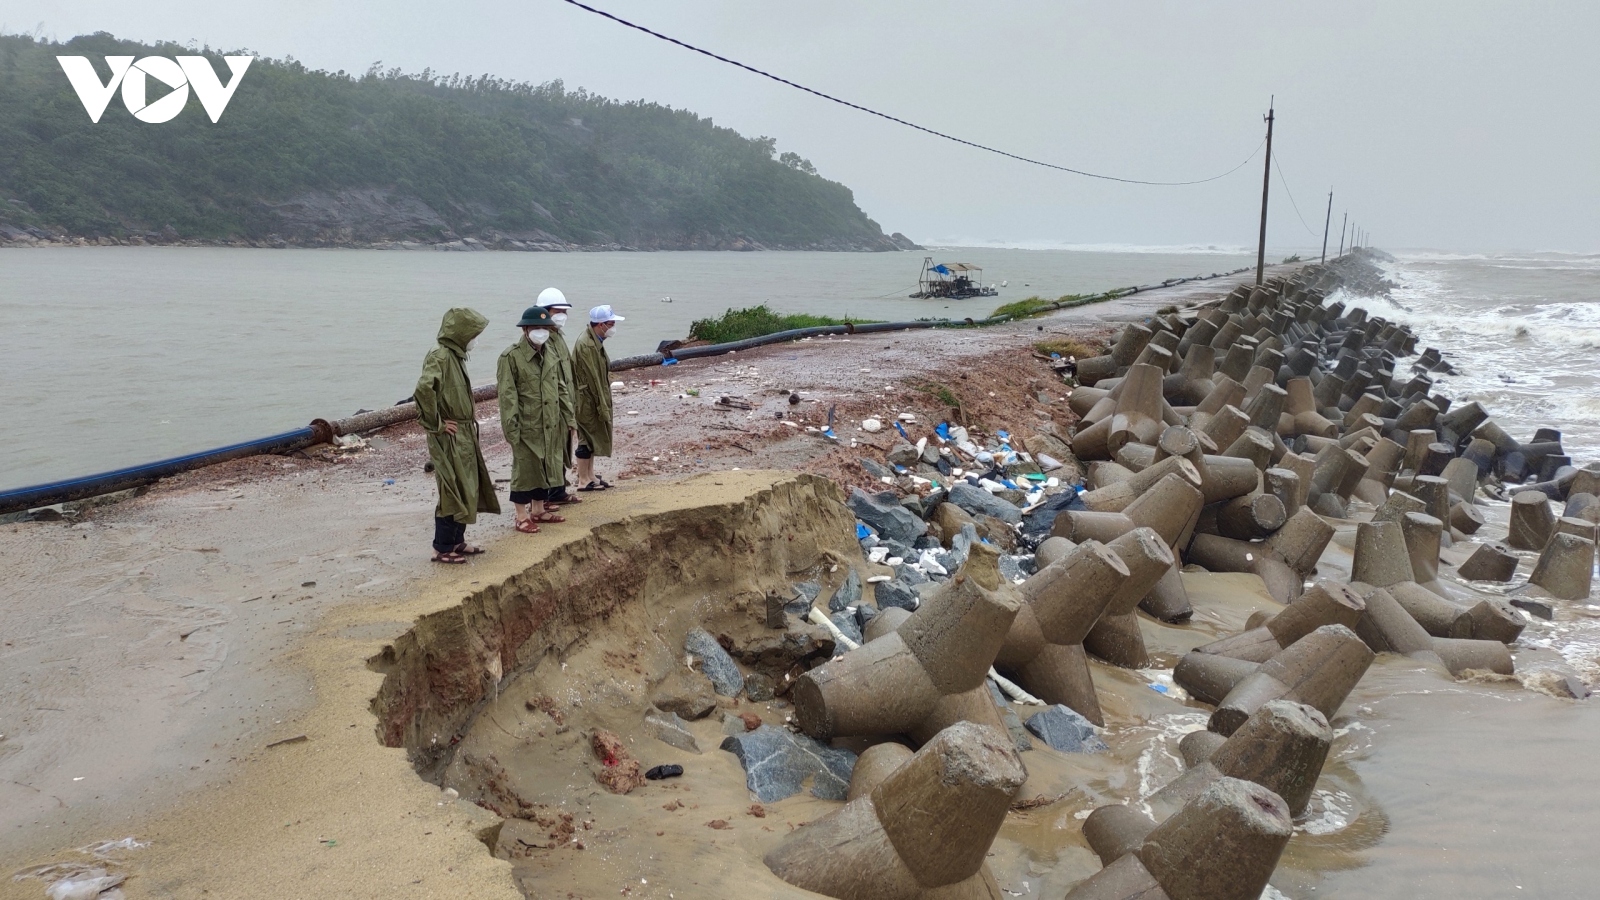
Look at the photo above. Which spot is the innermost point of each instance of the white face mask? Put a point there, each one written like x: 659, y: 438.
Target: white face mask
x: 472, y: 343
x: 559, y: 318
x: 538, y: 336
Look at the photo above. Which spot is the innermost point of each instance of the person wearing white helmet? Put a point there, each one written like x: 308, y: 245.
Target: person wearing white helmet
x: 591, y: 370
x: 555, y: 301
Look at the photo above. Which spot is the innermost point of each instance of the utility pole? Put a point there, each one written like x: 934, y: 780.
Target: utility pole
x: 1266, y: 183
x: 1325, y: 223
x: 1343, y: 224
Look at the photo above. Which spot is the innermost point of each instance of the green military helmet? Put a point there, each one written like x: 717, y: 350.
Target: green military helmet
x: 536, y: 315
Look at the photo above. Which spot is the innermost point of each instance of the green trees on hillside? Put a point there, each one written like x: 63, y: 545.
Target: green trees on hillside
x: 481, y: 153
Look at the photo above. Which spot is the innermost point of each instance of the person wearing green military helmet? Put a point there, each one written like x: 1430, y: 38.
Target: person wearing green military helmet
x: 531, y: 416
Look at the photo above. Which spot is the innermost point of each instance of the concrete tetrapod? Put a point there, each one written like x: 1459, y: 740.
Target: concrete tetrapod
x: 1064, y: 601
x: 1532, y: 522
x: 895, y: 683
x: 1283, y: 561
x: 921, y: 832
x: 1319, y: 670
x: 1137, y: 416
x: 1566, y: 567
x: 1043, y: 648
x: 1170, y: 507
x: 1223, y: 846
x: 1325, y: 603
x: 1115, y: 637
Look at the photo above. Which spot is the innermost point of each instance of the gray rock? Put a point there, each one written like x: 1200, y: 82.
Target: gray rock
x: 1063, y: 729
x: 1538, y: 608
x: 848, y: 594
x: 934, y: 498
x: 806, y: 593
x: 686, y: 693
x: 926, y: 542
x: 910, y: 577
x: 669, y: 729
x: 1019, y: 734
x: 865, y: 613
x: 912, y: 503
x: 901, y: 550
x: 1015, y: 498
x: 1014, y: 567
x: 777, y: 764
x: 887, y: 517
x: 960, y: 547
x: 930, y: 455
x: 726, y: 679
x: 902, y: 454
x: 980, y: 502
x: 845, y: 621
x: 894, y: 593
x: 759, y: 687
x: 876, y: 469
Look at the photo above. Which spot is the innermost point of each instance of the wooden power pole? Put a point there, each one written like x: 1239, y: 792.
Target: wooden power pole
x: 1343, y: 224
x: 1325, y: 223
x: 1266, y: 184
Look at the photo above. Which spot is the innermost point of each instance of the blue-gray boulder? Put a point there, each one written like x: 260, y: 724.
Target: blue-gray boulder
x: 778, y: 762
x: 848, y: 594
x: 980, y: 502
x: 1063, y: 729
x: 806, y: 593
x: 886, y: 516
x: 726, y: 679
x: 894, y: 593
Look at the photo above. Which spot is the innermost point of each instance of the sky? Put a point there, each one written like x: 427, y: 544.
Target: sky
x: 1438, y: 124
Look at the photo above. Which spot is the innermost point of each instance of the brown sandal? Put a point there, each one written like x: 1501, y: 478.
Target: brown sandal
x: 468, y: 550
x: 527, y: 526
x: 451, y: 557
x: 549, y: 517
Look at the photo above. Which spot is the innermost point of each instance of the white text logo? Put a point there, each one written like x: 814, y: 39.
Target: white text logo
x: 180, y: 75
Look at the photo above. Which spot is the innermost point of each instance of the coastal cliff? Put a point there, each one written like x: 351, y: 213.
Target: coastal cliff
x: 312, y: 158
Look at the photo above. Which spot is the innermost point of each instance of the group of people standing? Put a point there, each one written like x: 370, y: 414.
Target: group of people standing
x: 555, y: 412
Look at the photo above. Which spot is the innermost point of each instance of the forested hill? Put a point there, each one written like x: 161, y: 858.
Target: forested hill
x: 314, y: 158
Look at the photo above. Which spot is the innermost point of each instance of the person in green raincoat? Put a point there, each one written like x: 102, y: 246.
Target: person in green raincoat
x: 555, y: 301
x: 531, y: 415
x: 446, y: 412
x: 591, y: 373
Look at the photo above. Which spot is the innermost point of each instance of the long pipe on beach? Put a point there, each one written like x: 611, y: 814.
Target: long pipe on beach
x: 1266, y: 186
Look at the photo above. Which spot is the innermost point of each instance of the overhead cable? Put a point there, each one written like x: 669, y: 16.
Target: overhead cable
x: 856, y: 106
x: 1285, y: 182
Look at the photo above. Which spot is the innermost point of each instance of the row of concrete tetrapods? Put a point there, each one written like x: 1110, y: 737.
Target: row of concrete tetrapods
x: 1234, y: 468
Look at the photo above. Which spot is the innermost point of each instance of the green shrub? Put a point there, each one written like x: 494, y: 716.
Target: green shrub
x: 755, y: 321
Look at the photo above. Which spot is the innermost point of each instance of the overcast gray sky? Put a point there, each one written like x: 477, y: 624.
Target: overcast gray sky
x: 1460, y: 126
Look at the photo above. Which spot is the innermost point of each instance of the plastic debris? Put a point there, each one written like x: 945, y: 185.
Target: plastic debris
x: 656, y: 773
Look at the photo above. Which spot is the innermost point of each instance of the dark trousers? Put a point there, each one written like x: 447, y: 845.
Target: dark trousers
x: 448, y: 534
x: 540, y: 494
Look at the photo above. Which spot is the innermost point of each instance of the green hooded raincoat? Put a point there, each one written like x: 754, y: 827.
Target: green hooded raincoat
x: 444, y: 392
x: 591, y: 371
x: 532, y: 414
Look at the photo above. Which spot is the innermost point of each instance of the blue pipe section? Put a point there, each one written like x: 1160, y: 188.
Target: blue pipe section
x: 38, y: 495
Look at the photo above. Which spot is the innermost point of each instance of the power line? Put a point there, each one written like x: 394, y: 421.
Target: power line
x: 1285, y: 182
x: 856, y: 106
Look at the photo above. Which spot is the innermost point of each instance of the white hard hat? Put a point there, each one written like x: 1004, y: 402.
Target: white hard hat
x: 553, y: 297
x: 602, y: 314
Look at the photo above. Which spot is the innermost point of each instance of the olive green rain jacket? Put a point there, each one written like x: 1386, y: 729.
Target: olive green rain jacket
x: 569, y: 412
x: 591, y: 372
x: 531, y: 415
x: 444, y: 392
